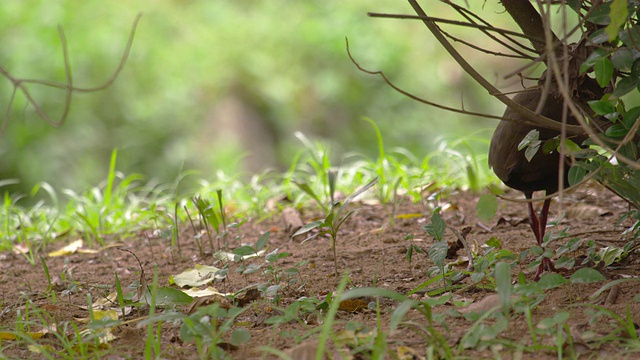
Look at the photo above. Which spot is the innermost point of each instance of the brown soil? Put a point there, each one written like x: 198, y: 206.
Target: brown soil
x: 369, y: 250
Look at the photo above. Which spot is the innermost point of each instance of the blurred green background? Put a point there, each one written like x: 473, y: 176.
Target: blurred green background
x: 225, y: 85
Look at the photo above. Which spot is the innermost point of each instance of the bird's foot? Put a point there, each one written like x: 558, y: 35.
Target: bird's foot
x: 545, y: 265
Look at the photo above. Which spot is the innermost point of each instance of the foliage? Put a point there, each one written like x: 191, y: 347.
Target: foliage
x: 166, y: 110
x: 333, y: 220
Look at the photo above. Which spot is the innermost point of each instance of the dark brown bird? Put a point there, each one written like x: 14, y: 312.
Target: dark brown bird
x: 511, y: 166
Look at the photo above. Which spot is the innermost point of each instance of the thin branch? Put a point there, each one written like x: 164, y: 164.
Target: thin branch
x: 20, y: 84
x: 531, y: 23
x: 577, y: 114
x: 484, y: 28
x: 450, y: 22
x: 483, y: 50
x: 414, y: 97
x: 530, y: 116
x: 468, y: 14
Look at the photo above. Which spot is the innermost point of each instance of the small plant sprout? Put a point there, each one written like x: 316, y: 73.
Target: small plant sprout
x: 245, y: 252
x: 438, y: 251
x: 330, y: 225
x: 412, y: 247
x: 217, y: 219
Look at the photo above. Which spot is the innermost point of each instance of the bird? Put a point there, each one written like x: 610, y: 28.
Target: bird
x: 540, y: 173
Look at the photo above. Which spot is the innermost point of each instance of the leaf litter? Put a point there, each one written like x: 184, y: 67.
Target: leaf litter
x: 305, y: 278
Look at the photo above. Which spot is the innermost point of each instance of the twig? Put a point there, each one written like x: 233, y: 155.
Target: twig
x: 411, y: 96
x: 19, y: 84
x: 532, y: 117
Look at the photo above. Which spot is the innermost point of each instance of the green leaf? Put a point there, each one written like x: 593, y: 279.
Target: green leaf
x: 487, y: 207
x: 610, y: 254
x: 586, y: 275
x: 532, y: 150
x: 503, y: 285
x: 252, y: 269
x: 168, y: 296
x: 306, y: 189
x: 629, y: 150
x: 617, y: 131
x: 599, y: 36
x: 576, y: 174
x: 625, y: 86
x: 344, y: 218
x: 635, y: 67
x: 244, y: 250
x: 575, y: 5
x: 532, y: 136
x: 494, y: 242
x: 409, y: 253
x: 600, y: 15
x: 397, y: 316
x: 263, y: 240
x: 332, y: 176
x: 240, y: 336
x: 617, y: 17
x: 604, y: 71
x: 565, y: 262
x: 631, y: 116
x: 551, y: 280
x: 630, y: 37
x: 550, y: 145
x: 571, y: 147
x: 437, y: 226
x: 536, y: 250
x: 495, y: 190
x: 531, y: 142
x: 356, y: 193
x: 602, y: 107
x: 595, y: 57
x: 622, y: 59
x: 438, y: 252
x: 308, y: 227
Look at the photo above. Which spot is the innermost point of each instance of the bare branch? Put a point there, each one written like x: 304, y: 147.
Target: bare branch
x: 20, y: 84
x: 528, y: 19
x: 413, y: 97
x: 531, y: 117
x: 486, y: 29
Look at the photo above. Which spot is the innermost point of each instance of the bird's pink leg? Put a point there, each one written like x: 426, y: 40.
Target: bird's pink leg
x: 534, y: 222
x: 541, y: 221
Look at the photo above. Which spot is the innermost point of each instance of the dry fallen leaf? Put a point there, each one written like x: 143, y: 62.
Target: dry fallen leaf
x: 353, y: 305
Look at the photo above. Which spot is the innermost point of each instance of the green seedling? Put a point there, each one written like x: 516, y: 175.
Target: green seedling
x: 152, y: 340
x: 331, y: 224
x: 197, y: 237
x: 243, y: 252
x: 438, y: 251
x: 207, y: 327
x: 410, y: 250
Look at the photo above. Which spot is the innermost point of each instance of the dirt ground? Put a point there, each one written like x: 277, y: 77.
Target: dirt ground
x: 369, y: 250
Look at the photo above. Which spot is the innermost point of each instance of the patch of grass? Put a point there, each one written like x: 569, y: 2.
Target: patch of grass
x: 124, y: 204
x: 333, y: 220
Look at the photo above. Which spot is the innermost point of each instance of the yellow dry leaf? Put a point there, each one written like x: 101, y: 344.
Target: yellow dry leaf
x: 195, y: 292
x: 10, y: 336
x: 67, y: 250
x: 409, y: 216
x: 352, y: 305
x: 197, y: 276
x: 407, y: 353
